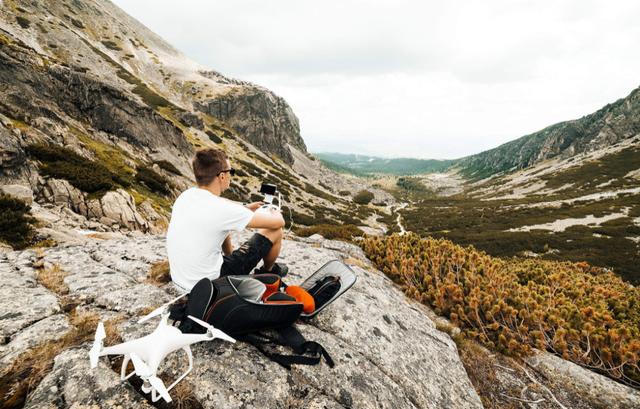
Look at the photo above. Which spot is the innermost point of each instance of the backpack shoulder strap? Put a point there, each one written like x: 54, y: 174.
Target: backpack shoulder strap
x: 306, y: 352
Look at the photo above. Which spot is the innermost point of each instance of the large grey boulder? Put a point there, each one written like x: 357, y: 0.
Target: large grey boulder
x: 60, y: 192
x: 387, y: 352
x: 117, y: 207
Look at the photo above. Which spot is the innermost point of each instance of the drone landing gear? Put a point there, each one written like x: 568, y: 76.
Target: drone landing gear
x: 146, y: 385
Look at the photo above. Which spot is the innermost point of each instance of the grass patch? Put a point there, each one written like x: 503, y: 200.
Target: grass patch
x: 77, y: 23
x: 159, y: 272
x: 484, y: 224
x: 52, y: 278
x: 16, y: 225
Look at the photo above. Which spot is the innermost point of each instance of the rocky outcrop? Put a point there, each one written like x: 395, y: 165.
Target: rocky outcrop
x: 259, y: 116
x: 600, y: 391
x: 115, y: 209
x: 387, y: 352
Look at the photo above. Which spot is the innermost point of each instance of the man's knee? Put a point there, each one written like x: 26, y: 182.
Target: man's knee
x: 272, y: 234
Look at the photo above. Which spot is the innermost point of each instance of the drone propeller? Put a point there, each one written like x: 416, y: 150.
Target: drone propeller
x: 94, y: 353
x: 212, y: 330
x: 160, y: 310
x: 144, y: 372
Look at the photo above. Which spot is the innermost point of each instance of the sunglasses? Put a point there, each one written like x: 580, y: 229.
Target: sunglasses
x: 231, y: 171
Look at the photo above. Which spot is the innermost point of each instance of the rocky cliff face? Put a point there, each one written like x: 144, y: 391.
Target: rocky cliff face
x: 612, y: 124
x: 265, y: 119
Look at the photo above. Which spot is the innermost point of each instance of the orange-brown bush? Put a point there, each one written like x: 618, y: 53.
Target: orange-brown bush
x: 585, y: 314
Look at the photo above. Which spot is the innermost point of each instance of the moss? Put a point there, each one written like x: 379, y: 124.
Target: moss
x: 155, y: 182
x: 23, y: 21
x: 16, y: 225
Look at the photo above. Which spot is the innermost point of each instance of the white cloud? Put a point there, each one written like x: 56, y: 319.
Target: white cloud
x: 422, y: 79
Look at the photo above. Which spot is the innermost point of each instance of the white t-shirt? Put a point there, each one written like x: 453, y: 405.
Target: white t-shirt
x: 200, y: 221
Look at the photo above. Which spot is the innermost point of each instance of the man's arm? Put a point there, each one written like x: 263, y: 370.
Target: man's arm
x: 266, y: 220
x: 227, y: 247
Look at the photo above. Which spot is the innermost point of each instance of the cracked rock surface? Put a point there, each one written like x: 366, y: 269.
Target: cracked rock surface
x: 388, y: 353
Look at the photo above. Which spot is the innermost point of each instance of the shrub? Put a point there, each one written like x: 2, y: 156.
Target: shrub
x: 344, y: 193
x: 585, y: 314
x: 168, y: 166
x: 214, y: 138
x: 411, y: 184
x: 346, y: 232
x: 82, y: 173
x: 16, y: 225
x: 156, y: 183
x: 23, y: 21
x: 111, y: 45
x: 363, y: 197
x: 77, y: 23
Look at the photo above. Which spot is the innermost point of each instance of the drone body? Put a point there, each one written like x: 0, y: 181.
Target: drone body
x: 148, y: 352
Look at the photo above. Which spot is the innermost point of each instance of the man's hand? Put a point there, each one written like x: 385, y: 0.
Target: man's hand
x: 254, y: 206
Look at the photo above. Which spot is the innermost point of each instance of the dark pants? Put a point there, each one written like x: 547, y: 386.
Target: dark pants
x: 245, y: 258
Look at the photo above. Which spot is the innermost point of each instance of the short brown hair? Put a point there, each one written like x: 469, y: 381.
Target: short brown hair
x: 207, y: 164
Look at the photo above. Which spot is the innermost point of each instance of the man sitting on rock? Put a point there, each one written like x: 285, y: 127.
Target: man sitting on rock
x: 198, y: 238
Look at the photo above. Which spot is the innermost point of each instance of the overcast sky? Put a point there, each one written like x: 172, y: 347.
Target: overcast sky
x: 429, y: 79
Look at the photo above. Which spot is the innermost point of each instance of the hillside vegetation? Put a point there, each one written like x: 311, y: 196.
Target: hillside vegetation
x: 583, y: 313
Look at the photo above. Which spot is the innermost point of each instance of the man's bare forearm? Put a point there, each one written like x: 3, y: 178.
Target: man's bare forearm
x: 227, y: 247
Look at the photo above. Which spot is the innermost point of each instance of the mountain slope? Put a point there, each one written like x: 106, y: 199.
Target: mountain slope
x: 101, y: 116
x: 609, y: 125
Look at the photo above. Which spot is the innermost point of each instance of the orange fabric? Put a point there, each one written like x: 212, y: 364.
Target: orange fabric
x: 271, y: 289
x: 300, y: 294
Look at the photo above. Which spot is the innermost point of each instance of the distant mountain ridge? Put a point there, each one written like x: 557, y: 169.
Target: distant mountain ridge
x: 362, y: 165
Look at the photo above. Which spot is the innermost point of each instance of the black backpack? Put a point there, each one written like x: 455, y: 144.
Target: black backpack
x: 251, y: 308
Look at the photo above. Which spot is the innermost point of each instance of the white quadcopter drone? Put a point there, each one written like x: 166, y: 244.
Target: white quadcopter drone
x: 147, y: 352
